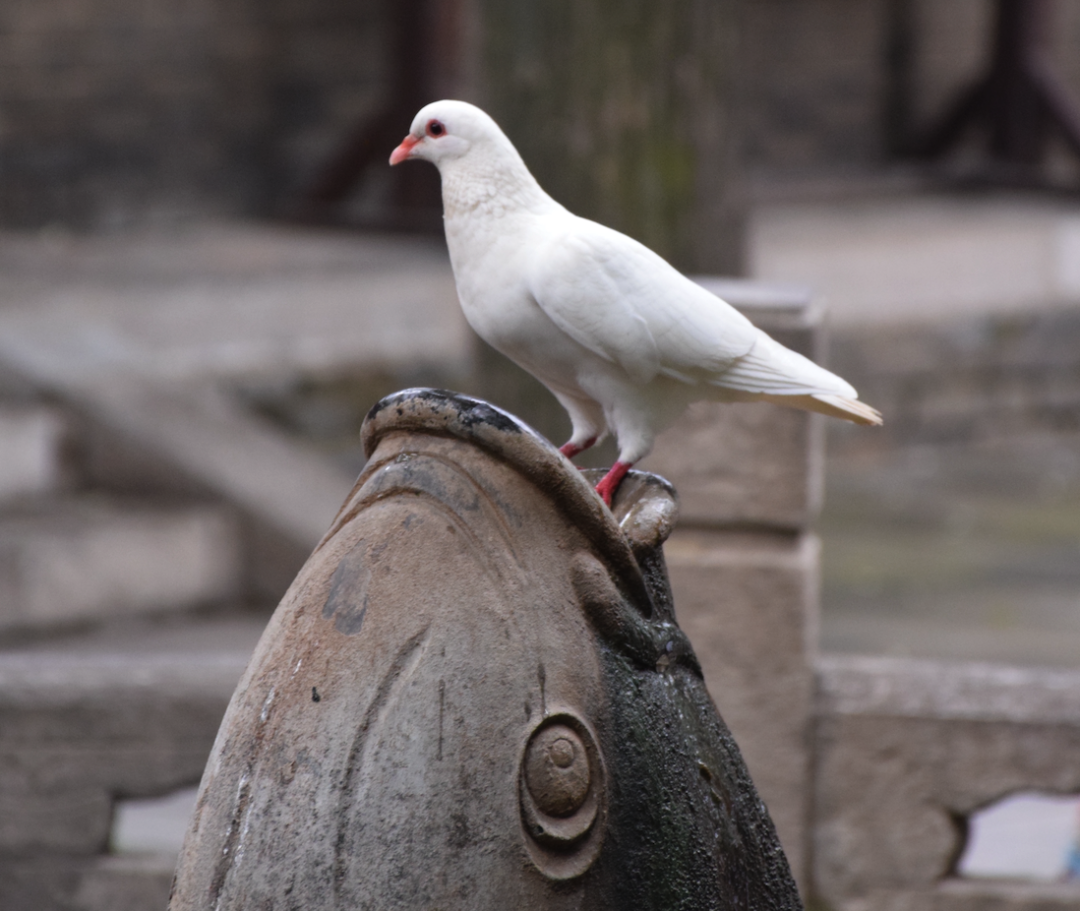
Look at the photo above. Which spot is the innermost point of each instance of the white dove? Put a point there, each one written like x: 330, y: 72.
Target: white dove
x: 623, y: 340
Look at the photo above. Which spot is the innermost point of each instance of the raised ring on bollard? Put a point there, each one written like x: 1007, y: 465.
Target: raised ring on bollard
x: 562, y: 785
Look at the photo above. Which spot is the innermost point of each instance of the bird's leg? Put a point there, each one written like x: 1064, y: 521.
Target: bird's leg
x: 611, y: 481
x: 572, y: 449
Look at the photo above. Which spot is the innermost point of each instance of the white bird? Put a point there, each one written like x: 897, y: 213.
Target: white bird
x: 623, y: 340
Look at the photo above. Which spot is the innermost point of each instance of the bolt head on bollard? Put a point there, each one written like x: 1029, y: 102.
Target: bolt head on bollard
x: 557, y: 771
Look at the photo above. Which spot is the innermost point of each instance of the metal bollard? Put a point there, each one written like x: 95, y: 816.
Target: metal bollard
x: 475, y: 696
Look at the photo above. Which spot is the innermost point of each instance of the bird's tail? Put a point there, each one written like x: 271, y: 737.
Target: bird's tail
x: 835, y: 406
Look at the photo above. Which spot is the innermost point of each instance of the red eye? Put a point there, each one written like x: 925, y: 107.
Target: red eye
x: 435, y: 129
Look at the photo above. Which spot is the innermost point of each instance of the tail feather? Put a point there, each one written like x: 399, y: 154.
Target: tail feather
x: 833, y: 405
x: 769, y: 372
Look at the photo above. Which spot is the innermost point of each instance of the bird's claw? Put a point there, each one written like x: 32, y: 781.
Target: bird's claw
x: 610, y: 482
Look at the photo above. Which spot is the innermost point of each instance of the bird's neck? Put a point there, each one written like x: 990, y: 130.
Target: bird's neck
x: 491, y: 186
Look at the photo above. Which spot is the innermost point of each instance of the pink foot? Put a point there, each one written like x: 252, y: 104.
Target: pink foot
x: 611, y: 481
x: 572, y: 449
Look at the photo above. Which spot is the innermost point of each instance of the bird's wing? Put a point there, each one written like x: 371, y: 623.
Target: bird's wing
x: 623, y: 302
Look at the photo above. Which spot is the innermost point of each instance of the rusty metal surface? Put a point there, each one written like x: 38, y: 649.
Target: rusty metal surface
x: 475, y: 696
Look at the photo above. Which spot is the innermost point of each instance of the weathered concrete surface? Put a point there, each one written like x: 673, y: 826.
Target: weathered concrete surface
x: 74, y: 730
x: 904, y: 749
x: 475, y: 696
x: 32, y: 457
x: 146, y: 436
x: 924, y: 257
x: 748, y: 603
x: 90, y: 560
x: 225, y: 299
x: 741, y: 464
x: 41, y: 882
x: 133, y: 883
x: 142, y: 435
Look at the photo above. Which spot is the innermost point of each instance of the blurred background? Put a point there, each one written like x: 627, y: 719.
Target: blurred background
x: 208, y: 274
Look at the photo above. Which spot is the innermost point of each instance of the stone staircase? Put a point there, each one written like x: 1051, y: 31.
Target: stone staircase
x: 72, y: 551
x: 131, y: 595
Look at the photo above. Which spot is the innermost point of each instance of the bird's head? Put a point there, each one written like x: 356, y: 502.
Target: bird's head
x: 446, y: 130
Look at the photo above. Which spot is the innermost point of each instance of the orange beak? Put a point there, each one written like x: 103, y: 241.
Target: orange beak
x: 404, y: 150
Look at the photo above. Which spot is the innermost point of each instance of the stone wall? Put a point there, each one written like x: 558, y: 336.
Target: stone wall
x: 814, y: 82
x: 117, y: 111
x: 905, y: 751
x: 979, y: 379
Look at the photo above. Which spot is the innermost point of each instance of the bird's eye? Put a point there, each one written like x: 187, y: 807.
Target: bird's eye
x: 435, y: 129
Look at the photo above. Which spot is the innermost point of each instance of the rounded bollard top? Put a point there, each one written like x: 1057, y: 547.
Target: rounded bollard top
x: 645, y: 508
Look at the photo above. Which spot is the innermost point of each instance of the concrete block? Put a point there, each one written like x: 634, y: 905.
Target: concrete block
x: 197, y: 438
x: 748, y: 602
x: 31, y: 451
x: 968, y: 378
x: 126, y: 883
x: 196, y: 442
x: 39, y: 813
x: 905, y: 750
x: 742, y: 464
x: 957, y: 895
x: 40, y: 882
x: 89, y: 560
x: 875, y: 825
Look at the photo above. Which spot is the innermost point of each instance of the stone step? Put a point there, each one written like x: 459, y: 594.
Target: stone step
x: 966, y: 379
x: 923, y: 258
x: 126, y: 883
x: 87, y: 721
x: 33, y: 450
x: 89, y: 559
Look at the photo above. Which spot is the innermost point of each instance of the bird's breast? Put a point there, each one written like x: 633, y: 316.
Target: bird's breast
x: 491, y: 285
x: 507, y: 318
x: 491, y: 265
